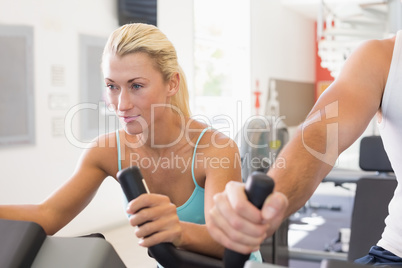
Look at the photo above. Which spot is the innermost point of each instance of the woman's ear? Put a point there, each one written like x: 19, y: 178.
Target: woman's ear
x: 174, y: 84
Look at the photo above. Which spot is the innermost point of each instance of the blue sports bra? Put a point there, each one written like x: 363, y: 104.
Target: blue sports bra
x: 193, y: 209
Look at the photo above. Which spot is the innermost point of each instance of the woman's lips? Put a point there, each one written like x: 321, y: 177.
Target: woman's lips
x: 128, y: 119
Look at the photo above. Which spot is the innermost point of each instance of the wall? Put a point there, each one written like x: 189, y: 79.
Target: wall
x: 175, y: 19
x: 282, y: 45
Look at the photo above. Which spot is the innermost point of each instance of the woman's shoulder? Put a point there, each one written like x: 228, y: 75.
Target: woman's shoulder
x: 209, y: 137
x: 104, y: 142
x: 101, y: 152
x: 198, y: 129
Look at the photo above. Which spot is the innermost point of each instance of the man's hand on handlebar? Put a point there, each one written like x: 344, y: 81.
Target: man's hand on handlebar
x: 240, y: 226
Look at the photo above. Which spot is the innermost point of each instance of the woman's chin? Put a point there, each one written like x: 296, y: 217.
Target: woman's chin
x: 132, y: 130
x: 134, y: 127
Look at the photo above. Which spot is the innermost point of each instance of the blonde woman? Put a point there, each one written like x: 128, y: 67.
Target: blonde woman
x: 184, y: 162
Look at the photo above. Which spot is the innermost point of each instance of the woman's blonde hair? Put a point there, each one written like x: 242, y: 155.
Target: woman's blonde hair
x: 139, y: 37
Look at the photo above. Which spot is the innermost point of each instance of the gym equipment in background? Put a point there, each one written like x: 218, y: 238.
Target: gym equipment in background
x: 25, y: 244
x: 369, y: 212
x: 260, y: 141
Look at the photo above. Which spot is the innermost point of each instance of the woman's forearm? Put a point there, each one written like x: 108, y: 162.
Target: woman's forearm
x: 27, y: 213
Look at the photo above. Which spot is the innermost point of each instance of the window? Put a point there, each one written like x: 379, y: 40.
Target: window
x: 222, y: 63
x: 16, y: 76
x: 95, y: 117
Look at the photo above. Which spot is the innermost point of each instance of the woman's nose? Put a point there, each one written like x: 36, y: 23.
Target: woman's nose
x: 125, y: 102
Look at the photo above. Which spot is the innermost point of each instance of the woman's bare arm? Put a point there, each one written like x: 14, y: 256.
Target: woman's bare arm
x: 67, y: 201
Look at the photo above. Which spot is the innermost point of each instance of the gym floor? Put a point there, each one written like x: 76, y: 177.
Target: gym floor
x: 125, y: 243
x: 317, y: 225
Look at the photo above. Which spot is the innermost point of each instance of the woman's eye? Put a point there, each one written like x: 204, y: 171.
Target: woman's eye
x: 136, y: 86
x: 111, y: 87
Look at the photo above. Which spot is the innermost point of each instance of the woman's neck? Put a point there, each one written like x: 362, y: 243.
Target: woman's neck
x: 165, y: 133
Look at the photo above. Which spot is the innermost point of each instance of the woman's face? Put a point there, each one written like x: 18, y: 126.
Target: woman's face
x: 134, y: 86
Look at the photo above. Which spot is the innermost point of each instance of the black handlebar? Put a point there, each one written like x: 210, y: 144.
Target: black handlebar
x: 165, y: 253
x: 258, y: 187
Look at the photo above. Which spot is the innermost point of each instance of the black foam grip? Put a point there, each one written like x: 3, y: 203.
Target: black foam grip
x: 165, y: 254
x: 258, y: 187
x: 131, y: 182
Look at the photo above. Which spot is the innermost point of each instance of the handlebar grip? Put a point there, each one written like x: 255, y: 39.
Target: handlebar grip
x: 258, y: 187
x: 166, y: 254
x: 131, y: 182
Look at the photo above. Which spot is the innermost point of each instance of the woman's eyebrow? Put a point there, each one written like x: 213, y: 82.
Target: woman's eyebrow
x: 129, y: 81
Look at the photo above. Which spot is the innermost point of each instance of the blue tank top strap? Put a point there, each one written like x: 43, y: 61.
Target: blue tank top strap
x: 118, y: 149
x: 195, y: 149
